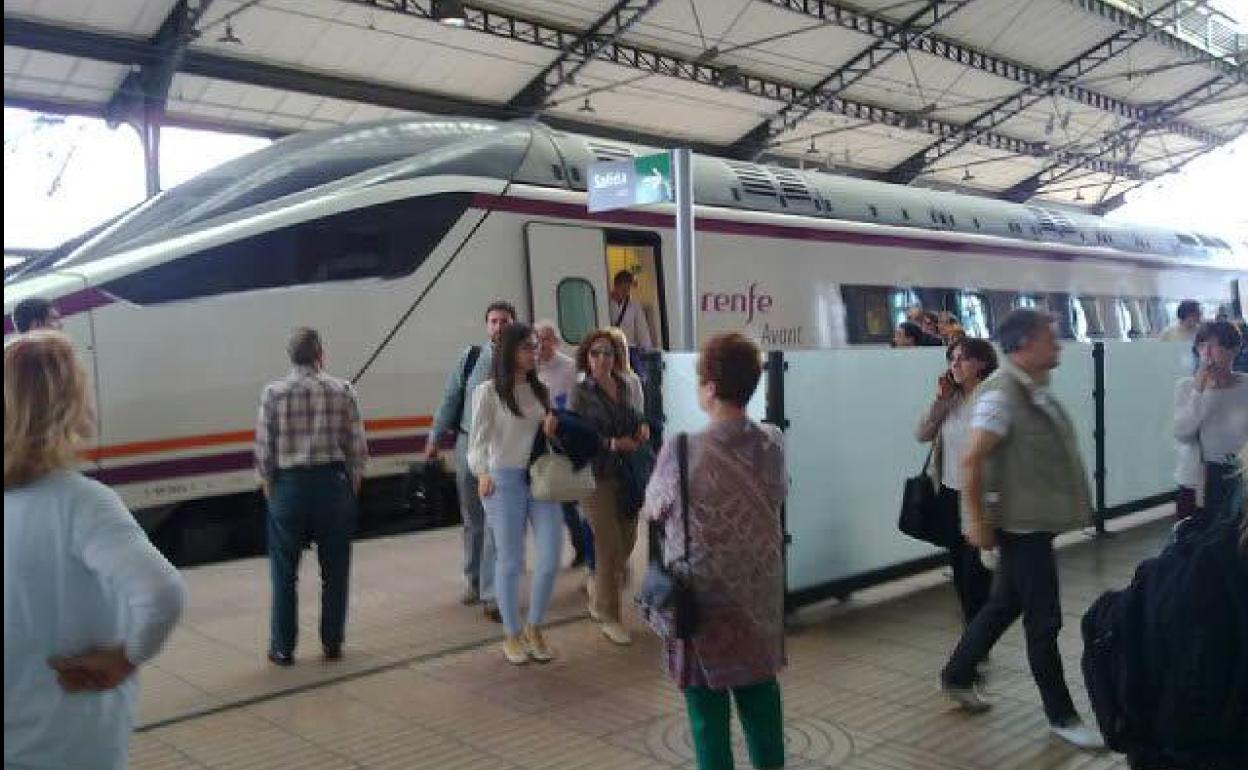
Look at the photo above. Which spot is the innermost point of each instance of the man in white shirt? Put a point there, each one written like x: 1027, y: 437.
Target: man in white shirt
x: 627, y: 314
x: 557, y: 372
x: 1189, y: 321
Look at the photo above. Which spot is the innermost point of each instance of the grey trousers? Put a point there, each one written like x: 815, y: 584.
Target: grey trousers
x: 478, y: 542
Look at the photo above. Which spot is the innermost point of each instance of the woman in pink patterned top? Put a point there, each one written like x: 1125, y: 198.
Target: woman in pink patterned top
x: 736, y: 488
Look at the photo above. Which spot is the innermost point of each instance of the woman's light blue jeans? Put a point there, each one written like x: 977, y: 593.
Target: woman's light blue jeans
x: 507, y: 512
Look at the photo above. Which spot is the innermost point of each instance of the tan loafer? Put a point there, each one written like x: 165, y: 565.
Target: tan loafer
x: 535, y: 645
x: 514, y: 651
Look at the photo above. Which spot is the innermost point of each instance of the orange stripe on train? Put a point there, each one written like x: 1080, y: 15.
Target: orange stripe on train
x: 156, y: 446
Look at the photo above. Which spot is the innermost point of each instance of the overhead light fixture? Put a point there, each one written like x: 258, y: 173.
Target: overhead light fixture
x: 812, y: 149
x: 967, y: 175
x: 586, y: 107
x: 707, y: 56
x: 449, y: 12
x: 228, y: 36
x: 1079, y: 194
x: 730, y: 76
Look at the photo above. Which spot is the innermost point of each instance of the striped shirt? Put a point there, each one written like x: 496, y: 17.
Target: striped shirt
x: 309, y: 418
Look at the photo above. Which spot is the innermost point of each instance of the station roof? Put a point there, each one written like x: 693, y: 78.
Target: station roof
x: 1074, y: 101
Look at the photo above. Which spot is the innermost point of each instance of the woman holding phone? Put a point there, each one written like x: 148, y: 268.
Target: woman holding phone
x: 947, y: 423
x: 1211, y: 420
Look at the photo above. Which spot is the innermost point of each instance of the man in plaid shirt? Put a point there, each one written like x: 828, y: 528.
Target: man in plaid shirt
x: 310, y: 455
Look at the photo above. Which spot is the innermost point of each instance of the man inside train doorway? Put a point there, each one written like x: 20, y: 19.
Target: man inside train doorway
x: 454, y: 417
x: 629, y: 315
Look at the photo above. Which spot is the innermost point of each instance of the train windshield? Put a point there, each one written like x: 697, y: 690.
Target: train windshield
x: 289, y: 166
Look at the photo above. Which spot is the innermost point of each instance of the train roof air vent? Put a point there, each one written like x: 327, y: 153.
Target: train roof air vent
x: 754, y: 179
x: 792, y: 186
x: 1052, y: 221
x: 608, y: 151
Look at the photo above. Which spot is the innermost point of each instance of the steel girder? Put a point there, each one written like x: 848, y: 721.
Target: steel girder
x: 1123, y: 18
x: 607, y: 29
x: 835, y: 13
x: 1016, y: 103
x: 633, y: 57
x: 1113, y: 202
x: 148, y: 86
x: 1123, y: 140
x: 141, y: 98
x: 890, y: 40
x: 118, y: 49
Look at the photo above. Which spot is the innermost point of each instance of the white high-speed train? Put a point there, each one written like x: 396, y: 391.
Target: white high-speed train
x: 392, y: 237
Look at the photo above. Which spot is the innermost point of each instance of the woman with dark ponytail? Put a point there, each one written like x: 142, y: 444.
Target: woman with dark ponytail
x: 509, y: 409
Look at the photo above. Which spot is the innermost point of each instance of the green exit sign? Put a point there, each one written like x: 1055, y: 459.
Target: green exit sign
x: 637, y: 182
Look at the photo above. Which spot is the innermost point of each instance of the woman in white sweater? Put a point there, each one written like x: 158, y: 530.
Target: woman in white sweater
x: 1211, y: 419
x: 87, y: 599
x: 508, y: 411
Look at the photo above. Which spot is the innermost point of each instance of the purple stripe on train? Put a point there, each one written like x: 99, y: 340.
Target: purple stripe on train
x: 231, y: 462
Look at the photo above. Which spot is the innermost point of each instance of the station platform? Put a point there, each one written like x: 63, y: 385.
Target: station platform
x: 423, y: 684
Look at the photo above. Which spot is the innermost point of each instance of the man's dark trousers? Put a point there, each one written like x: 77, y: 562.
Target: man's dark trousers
x: 314, y: 504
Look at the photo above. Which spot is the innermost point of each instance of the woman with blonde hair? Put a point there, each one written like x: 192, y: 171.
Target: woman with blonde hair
x: 624, y: 368
x: 87, y: 599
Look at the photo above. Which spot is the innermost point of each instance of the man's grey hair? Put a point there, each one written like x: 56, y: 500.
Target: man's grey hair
x: 304, y: 347
x: 1021, y: 325
x: 546, y: 323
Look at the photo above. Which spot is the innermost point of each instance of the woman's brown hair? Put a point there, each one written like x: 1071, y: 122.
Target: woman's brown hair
x: 733, y: 363
x: 582, y: 352
x: 978, y: 349
x: 47, y: 409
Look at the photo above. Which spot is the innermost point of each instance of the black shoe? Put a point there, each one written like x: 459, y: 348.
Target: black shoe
x: 491, y: 612
x: 333, y: 652
x: 578, y: 560
x: 283, y: 659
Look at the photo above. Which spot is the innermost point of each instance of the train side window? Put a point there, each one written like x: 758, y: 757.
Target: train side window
x: 974, y: 314
x: 577, y: 306
x: 1093, y: 323
x: 899, y: 301
x: 868, y: 313
x: 386, y: 241
x: 1123, y: 312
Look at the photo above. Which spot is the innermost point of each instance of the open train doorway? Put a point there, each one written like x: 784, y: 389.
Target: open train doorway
x: 570, y: 270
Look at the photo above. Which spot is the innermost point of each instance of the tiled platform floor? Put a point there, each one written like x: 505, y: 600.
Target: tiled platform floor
x: 423, y: 684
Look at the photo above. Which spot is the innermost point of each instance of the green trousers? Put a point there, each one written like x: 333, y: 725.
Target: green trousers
x: 762, y: 719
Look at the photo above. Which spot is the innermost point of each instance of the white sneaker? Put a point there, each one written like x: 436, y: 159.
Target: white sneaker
x: 967, y: 698
x: 1076, y: 733
x: 617, y: 633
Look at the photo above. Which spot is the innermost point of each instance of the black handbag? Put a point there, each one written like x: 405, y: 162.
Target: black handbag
x: 665, y: 592
x: 922, y: 516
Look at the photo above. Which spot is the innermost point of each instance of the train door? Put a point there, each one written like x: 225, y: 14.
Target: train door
x: 570, y: 271
x: 567, y: 283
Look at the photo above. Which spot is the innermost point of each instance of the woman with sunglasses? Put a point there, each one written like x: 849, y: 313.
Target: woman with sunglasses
x: 602, y: 400
x: 509, y: 409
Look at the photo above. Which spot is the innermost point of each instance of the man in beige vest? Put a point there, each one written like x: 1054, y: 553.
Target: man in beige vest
x: 1023, y: 483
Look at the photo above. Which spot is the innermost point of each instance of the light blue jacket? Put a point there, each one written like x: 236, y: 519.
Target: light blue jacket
x: 459, y: 393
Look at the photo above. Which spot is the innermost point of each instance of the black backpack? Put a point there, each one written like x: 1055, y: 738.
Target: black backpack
x: 1166, y: 659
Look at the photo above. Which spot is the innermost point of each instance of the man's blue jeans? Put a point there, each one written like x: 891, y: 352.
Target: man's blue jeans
x: 310, y: 505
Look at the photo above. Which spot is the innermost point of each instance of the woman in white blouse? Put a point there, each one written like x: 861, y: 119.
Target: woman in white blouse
x: 1211, y: 420
x: 947, y: 423
x: 508, y: 411
x: 87, y: 599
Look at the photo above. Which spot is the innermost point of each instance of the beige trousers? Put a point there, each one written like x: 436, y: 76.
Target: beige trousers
x: 614, y: 537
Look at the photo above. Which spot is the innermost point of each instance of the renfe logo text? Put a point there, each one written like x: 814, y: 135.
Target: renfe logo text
x: 747, y: 304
